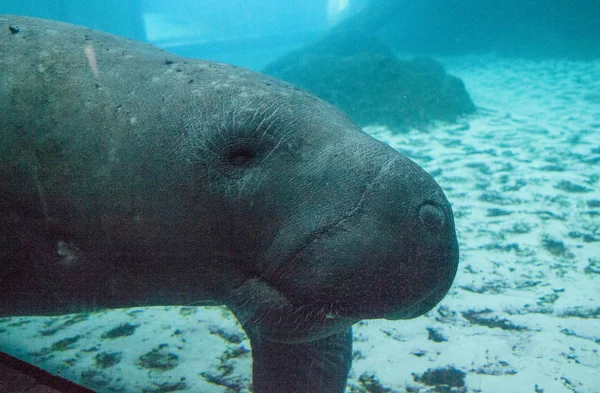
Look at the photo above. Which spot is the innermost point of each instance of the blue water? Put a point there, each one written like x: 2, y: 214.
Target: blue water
x: 521, y: 172
x: 253, y: 33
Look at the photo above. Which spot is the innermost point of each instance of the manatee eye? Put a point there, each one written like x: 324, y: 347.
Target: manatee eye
x: 241, y: 156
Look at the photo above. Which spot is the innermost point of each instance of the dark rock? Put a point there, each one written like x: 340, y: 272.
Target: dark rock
x: 492, y: 287
x: 69, y: 321
x: 522, y: 284
x: 166, y: 387
x: 481, y: 166
x: 95, y: 379
x: 365, y: 79
x: 586, y: 237
x: 547, y: 215
x: 497, y: 198
x: 107, y: 359
x: 234, y: 353
x: 224, y: 375
x: 357, y: 355
x: 580, y: 312
x: 448, y: 376
x: 159, y: 359
x: 553, y: 246
x: 496, y: 368
x: 502, y: 247
x: 519, y: 228
x: 233, y: 338
x: 553, y: 168
x: 550, y: 298
x: 480, y: 318
x: 394, y: 335
x: 123, y: 330
x: 435, y: 336
x: 593, y: 266
x: 592, y: 203
x: 65, y: 344
x: 515, y: 185
x: 372, y: 385
x: 568, y: 186
x: 233, y: 385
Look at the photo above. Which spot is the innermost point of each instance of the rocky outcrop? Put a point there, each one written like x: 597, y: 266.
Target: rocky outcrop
x: 361, y: 76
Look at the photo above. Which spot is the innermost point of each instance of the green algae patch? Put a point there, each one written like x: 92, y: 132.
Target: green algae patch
x: 65, y: 344
x: 123, y: 330
x: 159, y: 359
x: 105, y: 360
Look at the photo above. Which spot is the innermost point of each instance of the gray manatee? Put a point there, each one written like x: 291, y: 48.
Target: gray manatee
x: 133, y: 177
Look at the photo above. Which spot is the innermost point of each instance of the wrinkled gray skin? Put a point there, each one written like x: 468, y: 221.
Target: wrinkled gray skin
x: 146, y: 179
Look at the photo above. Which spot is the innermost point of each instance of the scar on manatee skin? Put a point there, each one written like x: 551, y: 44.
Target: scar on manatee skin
x: 40, y: 190
x: 91, y: 58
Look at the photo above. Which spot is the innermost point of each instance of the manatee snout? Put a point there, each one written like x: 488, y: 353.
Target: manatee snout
x: 432, y: 262
x: 423, y: 269
x: 395, y: 257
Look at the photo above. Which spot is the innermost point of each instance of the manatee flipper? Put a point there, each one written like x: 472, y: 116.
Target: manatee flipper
x: 319, y: 366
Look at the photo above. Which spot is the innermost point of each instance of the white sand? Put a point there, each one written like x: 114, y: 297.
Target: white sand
x: 533, y: 142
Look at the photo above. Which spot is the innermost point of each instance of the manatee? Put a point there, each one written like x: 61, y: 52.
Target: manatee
x: 130, y: 176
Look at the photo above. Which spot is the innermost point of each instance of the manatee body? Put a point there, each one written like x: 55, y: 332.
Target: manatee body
x: 133, y: 177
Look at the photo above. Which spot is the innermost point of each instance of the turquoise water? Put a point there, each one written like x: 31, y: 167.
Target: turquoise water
x: 520, y: 168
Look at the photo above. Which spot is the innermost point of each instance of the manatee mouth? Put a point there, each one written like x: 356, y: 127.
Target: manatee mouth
x: 320, y: 285
x: 266, y: 311
x: 417, y: 308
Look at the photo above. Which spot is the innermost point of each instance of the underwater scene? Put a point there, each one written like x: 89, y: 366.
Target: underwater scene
x: 316, y: 196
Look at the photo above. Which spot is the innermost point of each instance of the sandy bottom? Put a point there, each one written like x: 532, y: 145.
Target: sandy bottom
x: 523, y: 315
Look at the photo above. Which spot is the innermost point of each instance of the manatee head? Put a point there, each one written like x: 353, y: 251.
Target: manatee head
x: 323, y: 224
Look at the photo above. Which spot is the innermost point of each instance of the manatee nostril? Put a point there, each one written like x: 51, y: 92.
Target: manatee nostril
x: 432, y: 217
